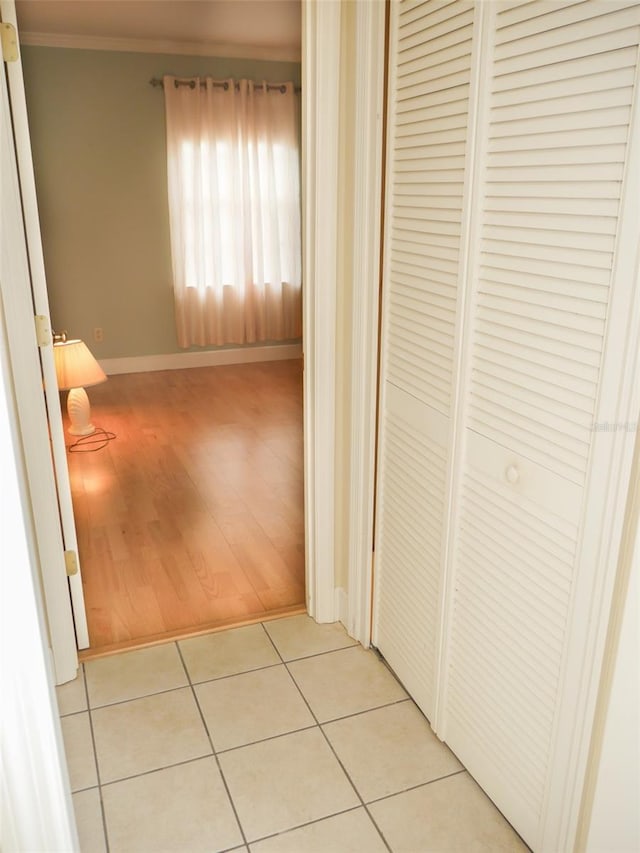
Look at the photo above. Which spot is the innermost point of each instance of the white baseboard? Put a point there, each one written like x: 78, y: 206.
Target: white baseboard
x: 341, y: 606
x: 207, y: 358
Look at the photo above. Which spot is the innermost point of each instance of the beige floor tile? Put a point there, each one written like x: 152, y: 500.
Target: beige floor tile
x: 72, y: 696
x: 389, y: 750
x: 134, y: 674
x: 147, y: 734
x: 285, y: 782
x: 252, y: 706
x: 300, y: 636
x: 86, y: 805
x: 228, y: 653
x: 351, y: 832
x: 345, y: 682
x: 78, y: 747
x: 183, y: 808
x: 446, y: 816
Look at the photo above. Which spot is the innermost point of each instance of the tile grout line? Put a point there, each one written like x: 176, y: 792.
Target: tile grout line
x: 142, y: 696
x: 327, y: 741
x: 155, y: 770
x: 95, y: 758
x: 364, y: 804
x: 215, y: 754
x: 304, y: 825
x: 175, y: 687
x: 235, y: 674
x: 317, y: 654
x: 282, y: 662
x: 415, y: 787
x: 317, y: 725
x: 265, y: 739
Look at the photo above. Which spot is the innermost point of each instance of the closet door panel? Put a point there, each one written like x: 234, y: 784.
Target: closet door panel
x: 517, y: 536
x: 413, y: 459
x: 430, y: 69
x: 555, y: 138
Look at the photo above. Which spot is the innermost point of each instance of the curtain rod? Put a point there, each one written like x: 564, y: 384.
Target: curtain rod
x: 221, y: 84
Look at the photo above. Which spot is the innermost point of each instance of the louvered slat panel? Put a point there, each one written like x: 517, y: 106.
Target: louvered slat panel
x: 517, y: 18
x: 540, y: 238
x: 569, y: 14
x: 577, y: 67
x: 521, y: 361
x: 410, y: 258
x: 429, y: 92
x: 598, y: 112
x: 559, y: 302
x: 432, y: 121
x: 513, y: 583
x: 561, y: 35
x: 561, y: 279
x: 411, y: 517
x: 555, y: 135
x: 437, y: 29
x: 525, y: 144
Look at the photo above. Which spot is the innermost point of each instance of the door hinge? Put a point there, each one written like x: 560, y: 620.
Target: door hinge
x: 43, y: 330
x: 9, y: 42
x: 71, y: 563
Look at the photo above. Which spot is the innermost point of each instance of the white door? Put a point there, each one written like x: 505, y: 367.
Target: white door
x: 424, y: 252
x: 39, y: 298
x: 510, y: 337
x: 554, y: 299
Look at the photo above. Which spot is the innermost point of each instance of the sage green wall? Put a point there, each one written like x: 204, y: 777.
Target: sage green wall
x: 98, y: 139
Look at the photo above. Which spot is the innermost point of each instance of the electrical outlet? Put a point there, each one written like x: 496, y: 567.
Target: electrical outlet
x: 98, y: 334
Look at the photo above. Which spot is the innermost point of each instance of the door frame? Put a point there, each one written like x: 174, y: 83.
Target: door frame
x: 320, y: 123
x: 322, y: 32
x: 369, y: 81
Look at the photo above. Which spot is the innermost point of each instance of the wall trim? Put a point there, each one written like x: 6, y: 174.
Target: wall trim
x: 369, y: 99
x: 320, y: 123
x: 180, y: 48
x: 208, y: 358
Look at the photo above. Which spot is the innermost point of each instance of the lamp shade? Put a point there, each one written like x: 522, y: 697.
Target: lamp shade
x: 75, y: 366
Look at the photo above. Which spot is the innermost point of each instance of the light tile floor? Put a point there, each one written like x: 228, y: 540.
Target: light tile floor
x: 282, y: 737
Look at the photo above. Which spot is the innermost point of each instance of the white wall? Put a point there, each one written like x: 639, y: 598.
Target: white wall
x: 615, y: 820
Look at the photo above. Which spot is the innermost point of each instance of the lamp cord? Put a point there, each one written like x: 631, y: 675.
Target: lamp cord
x: 100, y: 438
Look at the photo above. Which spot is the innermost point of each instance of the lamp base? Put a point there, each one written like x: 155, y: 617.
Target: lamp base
x: 79, y: 412
x: 88, y: 430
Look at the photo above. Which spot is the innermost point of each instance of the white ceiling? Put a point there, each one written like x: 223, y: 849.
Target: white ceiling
x: 270, y: 27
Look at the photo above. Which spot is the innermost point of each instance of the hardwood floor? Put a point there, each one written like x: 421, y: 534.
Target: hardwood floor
x: 193, y: 516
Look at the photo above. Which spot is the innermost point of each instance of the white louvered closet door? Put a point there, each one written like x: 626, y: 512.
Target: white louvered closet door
x: 555, y: 133
x: 428, y: 98
x: 509, y: 150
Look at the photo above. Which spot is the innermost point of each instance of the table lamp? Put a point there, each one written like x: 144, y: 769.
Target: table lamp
x: 76, y: 368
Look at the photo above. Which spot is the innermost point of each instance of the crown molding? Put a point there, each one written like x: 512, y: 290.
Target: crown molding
x: 180, y: 48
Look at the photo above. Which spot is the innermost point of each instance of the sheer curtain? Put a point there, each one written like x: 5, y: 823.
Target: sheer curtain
x: 234, y: 210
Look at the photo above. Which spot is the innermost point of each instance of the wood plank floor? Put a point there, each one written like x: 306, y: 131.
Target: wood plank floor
x: 193, y: 516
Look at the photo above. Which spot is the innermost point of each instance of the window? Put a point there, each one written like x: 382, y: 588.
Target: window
x: 234, y: 205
